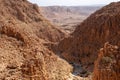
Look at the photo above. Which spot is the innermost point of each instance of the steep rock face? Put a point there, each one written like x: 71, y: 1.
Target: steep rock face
x: 23, y: 56
x: 107, y: 65
x: 83, y: 44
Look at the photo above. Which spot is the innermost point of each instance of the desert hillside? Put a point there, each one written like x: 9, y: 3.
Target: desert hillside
x: 68, y: 17
x: 29, y: 14
x: 23, y: 33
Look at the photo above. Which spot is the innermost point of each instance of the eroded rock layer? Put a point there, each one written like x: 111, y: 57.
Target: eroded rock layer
x: 107, y: 65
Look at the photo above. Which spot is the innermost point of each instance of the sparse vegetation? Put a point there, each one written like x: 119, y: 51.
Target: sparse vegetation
x: 106, y: 60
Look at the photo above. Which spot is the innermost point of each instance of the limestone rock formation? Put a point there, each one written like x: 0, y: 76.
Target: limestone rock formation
x: 83, y: 44
x: 107, y: 65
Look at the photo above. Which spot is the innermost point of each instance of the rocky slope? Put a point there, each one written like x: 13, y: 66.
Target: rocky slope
x: 23, y: 33
x: 67, y: 17
x: 83, y: 44
x: 29, y: 14
x: 107, y: 65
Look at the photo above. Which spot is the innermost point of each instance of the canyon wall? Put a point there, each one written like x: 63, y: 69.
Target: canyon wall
x: 84, y: 43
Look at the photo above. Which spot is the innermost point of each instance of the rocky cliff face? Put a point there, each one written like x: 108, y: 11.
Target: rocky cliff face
x: 23, y: 33
x: 107, y: 65
x: 83, y: 44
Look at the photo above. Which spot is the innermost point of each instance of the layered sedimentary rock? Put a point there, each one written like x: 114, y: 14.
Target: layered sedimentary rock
x: 107, y: 65
x: 83, y: 44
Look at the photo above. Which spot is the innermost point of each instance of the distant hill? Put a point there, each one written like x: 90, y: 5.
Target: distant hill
x: 68, y: 16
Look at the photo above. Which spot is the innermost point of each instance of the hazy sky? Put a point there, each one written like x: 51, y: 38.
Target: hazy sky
x: 71, y: 2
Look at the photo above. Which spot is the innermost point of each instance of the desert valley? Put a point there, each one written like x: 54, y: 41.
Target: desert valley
x: 67, y: 17
x: 59, y: 42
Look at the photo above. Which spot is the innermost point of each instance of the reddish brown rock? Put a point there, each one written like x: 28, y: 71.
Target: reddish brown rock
x: 34, y: 69
x: 23, y: 11
x: 23, y: 32
x: 83, y: 44
x: 107, y: 65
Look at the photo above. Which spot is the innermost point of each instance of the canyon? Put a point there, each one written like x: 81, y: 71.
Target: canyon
x: 33, y: 48
x: 90, y: 36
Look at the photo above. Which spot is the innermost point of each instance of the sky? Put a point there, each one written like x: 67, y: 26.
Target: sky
x: 71, y: 2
